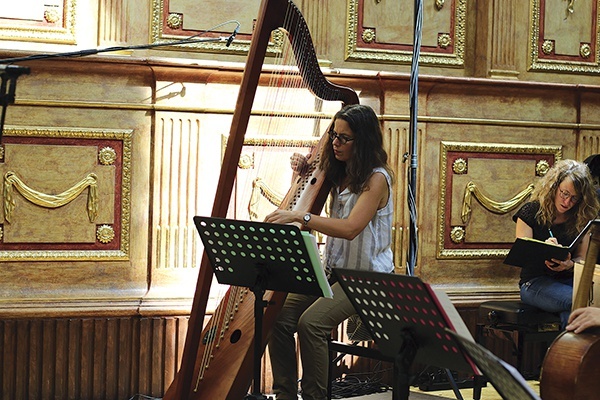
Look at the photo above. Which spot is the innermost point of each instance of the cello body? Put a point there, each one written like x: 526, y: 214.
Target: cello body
x: 571, y: 365
x: 571, y: 368
x: 217, y: 360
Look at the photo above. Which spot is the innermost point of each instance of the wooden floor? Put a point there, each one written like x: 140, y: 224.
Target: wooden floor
x: 487, y: 393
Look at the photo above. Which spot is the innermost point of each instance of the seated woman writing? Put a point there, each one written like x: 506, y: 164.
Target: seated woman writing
x: 562, y: 203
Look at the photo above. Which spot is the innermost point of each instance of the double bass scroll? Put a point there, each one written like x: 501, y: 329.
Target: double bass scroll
x: 228, y: 347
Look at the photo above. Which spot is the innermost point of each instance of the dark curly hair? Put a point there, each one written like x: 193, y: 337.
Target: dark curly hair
x: 367, y: 150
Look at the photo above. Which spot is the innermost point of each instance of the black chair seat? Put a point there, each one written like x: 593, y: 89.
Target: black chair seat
x: 517, y: 313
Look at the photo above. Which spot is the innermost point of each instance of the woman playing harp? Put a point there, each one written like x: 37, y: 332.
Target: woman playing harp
x: 359, y: 232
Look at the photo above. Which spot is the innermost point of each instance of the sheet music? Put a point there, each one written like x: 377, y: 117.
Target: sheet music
x: 315, y: 258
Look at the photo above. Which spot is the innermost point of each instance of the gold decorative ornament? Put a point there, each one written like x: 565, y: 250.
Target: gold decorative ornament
x: 246, y: 161
x: 542, y: 167
x: 444, y: 40
x: 105, y: 234
x: 2, y: 153
x: 548, y: 46
x: 174, y: 21
x: 570, y: 7
x: 498, y: 207
x: 51, y: 15
x: 585, y: 50
x: 459, y: 166
x: 439, y: 4
x: 448, y: 208
x: 457, y: 234
x: 47, y: 200
x: 107, y: 156
x: 1, y: 232
x: 368, y: 36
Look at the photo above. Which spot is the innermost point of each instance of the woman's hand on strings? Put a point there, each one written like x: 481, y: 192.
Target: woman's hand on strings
x: 284, y: 217
x: 299, y: 163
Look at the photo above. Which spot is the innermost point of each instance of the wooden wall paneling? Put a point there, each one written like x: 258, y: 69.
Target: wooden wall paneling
x: 144, y: 356
x: 50, y: 23
x: 48, y: 341
x: 85, y: 378
x: 383, y: 32
x: 74, y: 359
x: 564, y: 36
x: 61, y: 358
x: 124, y: 367
x: 158, y: 356
x: 112, y: 356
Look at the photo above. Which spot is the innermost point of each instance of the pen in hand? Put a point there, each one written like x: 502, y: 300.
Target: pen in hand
x: 551, y: 239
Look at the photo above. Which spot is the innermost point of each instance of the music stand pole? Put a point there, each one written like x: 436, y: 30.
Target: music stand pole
x: 402, y: 363
x: 259, y: 305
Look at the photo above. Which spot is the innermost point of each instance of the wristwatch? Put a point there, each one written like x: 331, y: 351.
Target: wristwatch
x: 306, y: 218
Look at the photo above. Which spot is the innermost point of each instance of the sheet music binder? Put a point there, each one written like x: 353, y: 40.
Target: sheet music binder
x: 531, y: 253
x: 509, y: 383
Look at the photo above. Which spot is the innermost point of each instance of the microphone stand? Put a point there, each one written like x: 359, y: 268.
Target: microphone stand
x: 8, y: 87
x: 9, y: 72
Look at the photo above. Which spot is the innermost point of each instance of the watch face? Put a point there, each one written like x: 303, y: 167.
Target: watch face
x: 306, y: 218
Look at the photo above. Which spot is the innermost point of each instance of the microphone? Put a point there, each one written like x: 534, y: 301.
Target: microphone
x: 232, y: 36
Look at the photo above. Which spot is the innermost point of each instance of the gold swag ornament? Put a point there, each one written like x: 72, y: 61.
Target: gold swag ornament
x: 47, y: 200
x: 489, y: 204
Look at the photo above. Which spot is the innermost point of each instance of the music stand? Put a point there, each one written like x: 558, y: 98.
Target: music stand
x: 509, y: 383
x: 407, y: 319
x: 262, y: 257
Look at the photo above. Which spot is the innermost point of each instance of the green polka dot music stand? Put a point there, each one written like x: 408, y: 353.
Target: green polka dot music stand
x: 262, y: 257
x: 407, y: 319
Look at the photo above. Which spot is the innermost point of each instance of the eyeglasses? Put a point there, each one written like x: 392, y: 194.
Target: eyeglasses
x: 343, y: 139
x: 565, y: 195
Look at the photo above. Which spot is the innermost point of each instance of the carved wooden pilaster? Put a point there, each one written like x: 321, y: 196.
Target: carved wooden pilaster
x: 316, y: 16
x: 497, y: 38
x: 112, y: 21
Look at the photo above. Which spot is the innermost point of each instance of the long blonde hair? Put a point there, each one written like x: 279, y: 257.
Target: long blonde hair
x: 546, y: 188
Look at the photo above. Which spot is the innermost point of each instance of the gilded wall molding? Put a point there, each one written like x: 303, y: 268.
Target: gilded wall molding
x: 564, y: 38
x: 47, y: 23
x: 455, y: 207
x: 448, y: 49
x: 97, y: 226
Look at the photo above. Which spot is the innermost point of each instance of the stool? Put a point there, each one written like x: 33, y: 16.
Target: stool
x: 517, y: 322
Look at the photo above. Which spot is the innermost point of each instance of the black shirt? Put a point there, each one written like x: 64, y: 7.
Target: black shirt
x: 541, y: 232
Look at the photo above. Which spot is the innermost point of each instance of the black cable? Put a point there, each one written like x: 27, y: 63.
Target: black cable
x: 360, y: 384
x: 143, y: 396
x: 412, y: 179
x: 87, y: 52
